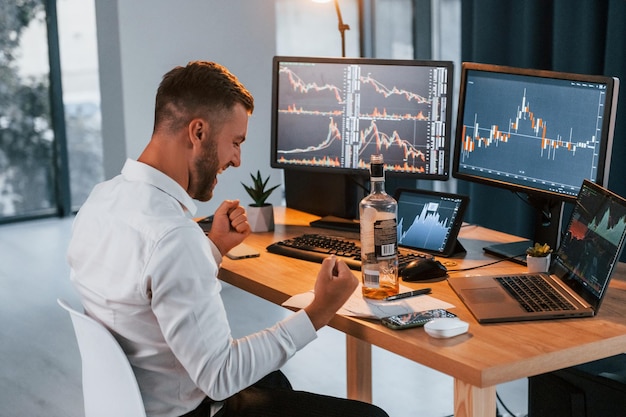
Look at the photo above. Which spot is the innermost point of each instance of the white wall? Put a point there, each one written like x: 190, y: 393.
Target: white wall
x: 140, y: 40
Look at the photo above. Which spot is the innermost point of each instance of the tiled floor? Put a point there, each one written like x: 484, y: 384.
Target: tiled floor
x: 40, y: 364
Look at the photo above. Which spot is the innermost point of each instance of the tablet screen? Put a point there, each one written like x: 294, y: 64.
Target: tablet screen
x: 430, y: 220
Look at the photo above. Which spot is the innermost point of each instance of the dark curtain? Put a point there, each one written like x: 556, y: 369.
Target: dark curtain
x: 580, y: 36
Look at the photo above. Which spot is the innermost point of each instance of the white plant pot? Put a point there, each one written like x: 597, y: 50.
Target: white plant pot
x: 538, y: 263
x: 261, y: 219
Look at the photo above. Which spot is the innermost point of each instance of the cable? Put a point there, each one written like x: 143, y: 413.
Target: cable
x: 484, y: 265
x: 504, y: 406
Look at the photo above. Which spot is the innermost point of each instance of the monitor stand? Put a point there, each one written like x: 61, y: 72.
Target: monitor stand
x: 334, y: 197
x: 337, y: 223
x: 547, y: 230
x: 515, y: 251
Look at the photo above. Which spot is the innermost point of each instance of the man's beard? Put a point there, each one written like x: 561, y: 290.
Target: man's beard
x: 204, y: 174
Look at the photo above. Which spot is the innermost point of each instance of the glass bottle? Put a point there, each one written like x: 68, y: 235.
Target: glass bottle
x: 378, y: 213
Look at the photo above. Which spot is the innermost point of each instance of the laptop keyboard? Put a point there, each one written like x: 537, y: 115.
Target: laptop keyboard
x: 314, y: 247
x: 534, y: 293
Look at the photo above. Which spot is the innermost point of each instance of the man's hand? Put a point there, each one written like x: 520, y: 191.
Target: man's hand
x: 335, y: 284
x: 230, y: 226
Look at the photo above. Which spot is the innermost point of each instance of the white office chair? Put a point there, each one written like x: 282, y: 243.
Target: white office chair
x: 109, y: 384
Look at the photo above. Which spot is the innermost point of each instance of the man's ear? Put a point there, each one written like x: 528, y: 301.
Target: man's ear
x: 198, y: 129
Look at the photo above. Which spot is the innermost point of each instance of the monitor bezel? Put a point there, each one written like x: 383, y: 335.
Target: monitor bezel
x: 363, y: 172
x: 606, y: 142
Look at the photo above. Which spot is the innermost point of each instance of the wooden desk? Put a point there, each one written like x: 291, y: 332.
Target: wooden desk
x: 479, y: 360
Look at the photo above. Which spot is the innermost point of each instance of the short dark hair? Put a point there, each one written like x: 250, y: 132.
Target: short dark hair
x: 200, y: 89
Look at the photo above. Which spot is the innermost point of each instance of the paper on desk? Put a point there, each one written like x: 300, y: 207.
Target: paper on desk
x: 358, y: 306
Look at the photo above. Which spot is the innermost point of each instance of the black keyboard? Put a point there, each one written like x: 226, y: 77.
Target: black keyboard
x: 316, y: 247
x: 534, y: 293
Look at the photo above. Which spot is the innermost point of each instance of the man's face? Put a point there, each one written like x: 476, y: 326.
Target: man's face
x: 221, y: 150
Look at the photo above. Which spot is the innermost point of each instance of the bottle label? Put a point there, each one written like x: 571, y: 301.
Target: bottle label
x: 385, y: 238
x: 368, y: 217
x: 371, y: 278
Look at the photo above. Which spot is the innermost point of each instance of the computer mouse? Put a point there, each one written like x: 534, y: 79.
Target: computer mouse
x: 423, y: 269
x: 444, y: 327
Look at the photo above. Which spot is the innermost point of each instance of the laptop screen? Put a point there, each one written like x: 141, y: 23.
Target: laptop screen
x: 430, y: 220
x: 592, y: 243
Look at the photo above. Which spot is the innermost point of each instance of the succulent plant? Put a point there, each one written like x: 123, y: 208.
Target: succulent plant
x: 539, y: 250
x: 257, y: 190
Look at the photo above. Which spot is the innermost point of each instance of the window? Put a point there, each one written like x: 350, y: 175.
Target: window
x: 81, y: 96
x: 27, y: 175
x: 32, y: 160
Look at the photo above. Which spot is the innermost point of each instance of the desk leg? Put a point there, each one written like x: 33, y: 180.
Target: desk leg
x: 359, y: 369
x: 471, y: 401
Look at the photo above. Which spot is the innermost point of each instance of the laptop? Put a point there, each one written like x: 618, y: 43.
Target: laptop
x: 429, y: 221
x: 580, y: 269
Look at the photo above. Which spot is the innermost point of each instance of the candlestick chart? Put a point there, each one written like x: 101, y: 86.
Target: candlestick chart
x: 340, y: 116
x: 540, y: 133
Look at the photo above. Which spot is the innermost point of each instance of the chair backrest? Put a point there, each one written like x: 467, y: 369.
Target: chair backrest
x: 109, y: 384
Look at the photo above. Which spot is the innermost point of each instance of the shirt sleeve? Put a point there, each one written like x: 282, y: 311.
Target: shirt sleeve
x: 187, y: 303
x: 217, y: 255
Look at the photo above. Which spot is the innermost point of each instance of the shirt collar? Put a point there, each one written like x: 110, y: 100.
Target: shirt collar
x: 138, y: 171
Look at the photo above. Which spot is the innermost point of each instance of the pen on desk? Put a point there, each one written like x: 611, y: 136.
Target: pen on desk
x: 408, y: 294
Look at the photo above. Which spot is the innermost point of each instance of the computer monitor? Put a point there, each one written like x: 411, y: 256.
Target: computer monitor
x: 329, y: 115
x: 538, y: 133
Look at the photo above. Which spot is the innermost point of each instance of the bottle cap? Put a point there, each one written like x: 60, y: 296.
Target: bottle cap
x: 376, y: 159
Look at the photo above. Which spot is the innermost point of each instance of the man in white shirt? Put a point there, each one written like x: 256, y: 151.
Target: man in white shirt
x: 147, y: 271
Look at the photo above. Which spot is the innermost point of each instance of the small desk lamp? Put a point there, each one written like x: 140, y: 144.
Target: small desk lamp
x: 342, y: 26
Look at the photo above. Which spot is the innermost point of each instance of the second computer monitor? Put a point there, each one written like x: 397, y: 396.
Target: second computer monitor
x: 538, y: 132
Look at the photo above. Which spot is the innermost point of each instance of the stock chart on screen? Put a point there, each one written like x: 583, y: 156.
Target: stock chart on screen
x: 337, y: 114
x: 527, y: 130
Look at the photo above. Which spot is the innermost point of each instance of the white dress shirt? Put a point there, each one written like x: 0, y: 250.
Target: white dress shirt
x: 146, y: 270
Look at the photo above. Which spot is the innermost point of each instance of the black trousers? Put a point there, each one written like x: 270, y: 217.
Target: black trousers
x: 273, y: 396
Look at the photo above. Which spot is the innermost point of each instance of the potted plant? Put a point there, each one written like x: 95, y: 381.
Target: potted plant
x: 260, y: 213
x: 538, y: 257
